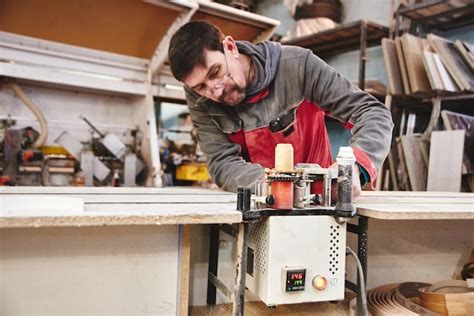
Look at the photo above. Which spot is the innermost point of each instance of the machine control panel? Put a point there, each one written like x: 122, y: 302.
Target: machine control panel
x: 295, y: 279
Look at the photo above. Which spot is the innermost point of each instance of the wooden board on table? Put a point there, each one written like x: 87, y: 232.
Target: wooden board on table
x: 444, y: 171
x: 403, y: 66
x: 457, y: 121
x: 414, y: 162
x: 392, y: 66
x: 456, y: 66
x: 413, y: 52
x: 398, y: 205
x: 122, y: 206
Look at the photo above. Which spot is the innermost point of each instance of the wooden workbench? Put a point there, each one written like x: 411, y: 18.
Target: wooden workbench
x: 401, y: 205
x: 114, y: 251
x: 120, y: 206
x: 127, y: 250
x: 413, y: 236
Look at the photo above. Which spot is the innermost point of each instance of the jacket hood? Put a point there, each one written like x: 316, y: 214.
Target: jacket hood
x: 265, y: 57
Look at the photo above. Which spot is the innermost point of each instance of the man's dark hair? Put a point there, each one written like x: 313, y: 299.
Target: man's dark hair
x: 187, y: 46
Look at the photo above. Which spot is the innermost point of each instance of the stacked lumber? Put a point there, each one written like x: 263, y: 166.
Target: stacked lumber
x: 418, y: 66
x: 444, y: 162
x: 429, y: 68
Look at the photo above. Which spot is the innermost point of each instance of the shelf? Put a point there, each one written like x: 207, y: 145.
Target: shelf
x: 344, y: 38
x: 126, y: 27
x: 440, y: 14
x: 240, y: 24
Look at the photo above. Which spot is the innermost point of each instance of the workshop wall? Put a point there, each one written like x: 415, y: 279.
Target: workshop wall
x: 347, y: 64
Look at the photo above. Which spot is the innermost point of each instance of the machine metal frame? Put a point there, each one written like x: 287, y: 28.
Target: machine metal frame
x: 241, y: 233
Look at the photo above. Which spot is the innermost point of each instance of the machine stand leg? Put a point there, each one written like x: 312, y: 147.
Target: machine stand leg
x: 213, y: 260
x: 362, y: 254
x: 241, y: 270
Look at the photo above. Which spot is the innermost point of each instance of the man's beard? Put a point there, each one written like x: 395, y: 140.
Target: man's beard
x: 235, y: 88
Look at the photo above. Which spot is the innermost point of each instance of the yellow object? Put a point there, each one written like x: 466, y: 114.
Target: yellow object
x: 54, y: 150
x: 192, y: 172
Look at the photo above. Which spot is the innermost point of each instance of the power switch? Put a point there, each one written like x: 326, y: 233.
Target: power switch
x: 320, y: 283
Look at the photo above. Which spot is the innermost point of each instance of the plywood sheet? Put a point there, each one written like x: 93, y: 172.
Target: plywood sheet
x: 432, y: 71
x: 403, y: 66
x: 128, y: 27
x: 404, y: 182
x: 116, y: 214
x: 397, y: 205
x: 395, y: 81
x: 457, y: 121
x: 446, y: 78
x: 414, y: 162
x: 413, y: 52
x: 444, y: 172
x: 124, y: 206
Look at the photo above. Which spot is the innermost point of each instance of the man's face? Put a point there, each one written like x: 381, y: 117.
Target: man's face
x: 221, y: 80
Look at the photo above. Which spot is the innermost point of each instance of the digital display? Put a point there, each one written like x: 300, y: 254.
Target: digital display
x: 295, y: 280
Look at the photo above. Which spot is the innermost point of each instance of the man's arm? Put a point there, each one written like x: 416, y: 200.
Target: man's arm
x: 226, y: 167
x: 371, y: 121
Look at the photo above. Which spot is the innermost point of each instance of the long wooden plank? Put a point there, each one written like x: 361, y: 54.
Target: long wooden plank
x: 417, y: 211
x: 392, y: 66
x: 418, y: 194
x: 414, y: 162
x: 432, y: 71
x: 126, y: 214
x: 416, y: 205
x: 111, y: 191
x: 404, y: 183
x: 446, y: 78
x: 403, y: 66
x: 137, y: 198
x: 444, y: 172
x: 392, y: 168
x: 413, y: 52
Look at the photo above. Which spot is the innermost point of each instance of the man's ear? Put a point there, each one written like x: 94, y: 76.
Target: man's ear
x: 230, y: 46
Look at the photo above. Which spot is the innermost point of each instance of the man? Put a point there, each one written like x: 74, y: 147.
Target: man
x: 245, y: 98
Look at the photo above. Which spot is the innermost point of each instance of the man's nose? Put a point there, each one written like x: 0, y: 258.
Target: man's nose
x: 217, y: 90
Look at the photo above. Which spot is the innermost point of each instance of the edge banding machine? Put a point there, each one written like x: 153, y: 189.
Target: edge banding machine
x: 292, y: 243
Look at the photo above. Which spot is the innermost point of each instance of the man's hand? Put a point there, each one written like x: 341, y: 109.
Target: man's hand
x: 356, y: 187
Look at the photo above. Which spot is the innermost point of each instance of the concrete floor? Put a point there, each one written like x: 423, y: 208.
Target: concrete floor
x: 260, y: 309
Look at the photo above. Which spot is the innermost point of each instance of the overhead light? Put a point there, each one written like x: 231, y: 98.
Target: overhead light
x: 173, y: 87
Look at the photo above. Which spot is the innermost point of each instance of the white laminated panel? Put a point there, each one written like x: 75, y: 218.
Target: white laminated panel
x: 445, y: 170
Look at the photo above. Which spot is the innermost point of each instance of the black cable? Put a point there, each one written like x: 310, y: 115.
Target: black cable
x: 361, y: 282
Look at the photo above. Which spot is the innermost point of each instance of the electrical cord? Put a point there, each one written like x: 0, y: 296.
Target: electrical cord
x: 361, y: 282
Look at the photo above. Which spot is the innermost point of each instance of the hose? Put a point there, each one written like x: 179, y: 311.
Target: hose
x: 39, y: 116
